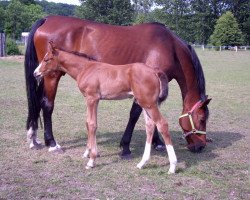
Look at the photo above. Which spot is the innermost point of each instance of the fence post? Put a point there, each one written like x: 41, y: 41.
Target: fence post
x: 2, y: 44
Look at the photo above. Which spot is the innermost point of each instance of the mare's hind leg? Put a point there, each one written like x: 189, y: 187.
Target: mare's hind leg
x: 150, y: 127
x: 162, y: 126
x: 34, y: 142
x: 92, y: 103
x: 50, y: 88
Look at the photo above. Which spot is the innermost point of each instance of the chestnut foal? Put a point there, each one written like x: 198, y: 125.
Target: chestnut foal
x: 98, y: 81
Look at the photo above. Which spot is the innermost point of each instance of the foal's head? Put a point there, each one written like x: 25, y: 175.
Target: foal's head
x: 49, y: 62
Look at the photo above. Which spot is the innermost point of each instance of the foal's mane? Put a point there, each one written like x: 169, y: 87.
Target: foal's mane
x: 80, y: 54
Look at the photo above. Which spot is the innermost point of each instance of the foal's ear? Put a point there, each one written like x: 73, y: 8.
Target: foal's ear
x: 52, y: 47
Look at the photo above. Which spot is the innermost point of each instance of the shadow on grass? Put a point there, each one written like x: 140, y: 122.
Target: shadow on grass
x: 220, y: 140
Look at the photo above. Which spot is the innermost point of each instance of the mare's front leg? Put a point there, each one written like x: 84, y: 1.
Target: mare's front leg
x: 91, y: 124
x: 135, y: 113
x: 50, y: 89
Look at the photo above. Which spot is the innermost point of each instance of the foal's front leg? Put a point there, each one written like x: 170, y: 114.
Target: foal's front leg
x: 92, y: 103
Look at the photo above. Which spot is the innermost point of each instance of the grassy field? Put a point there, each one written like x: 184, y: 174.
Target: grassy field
x: 221, y: 171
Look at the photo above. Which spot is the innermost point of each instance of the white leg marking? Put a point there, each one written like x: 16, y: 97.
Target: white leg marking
x: 146, y: 155
x: 90, y: 164
x: 32, y: 139
x: 172, y: 159
x: 55, y: 148
x: 86, y: 153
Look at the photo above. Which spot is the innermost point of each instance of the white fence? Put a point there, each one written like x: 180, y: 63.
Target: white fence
x: 220, y: 48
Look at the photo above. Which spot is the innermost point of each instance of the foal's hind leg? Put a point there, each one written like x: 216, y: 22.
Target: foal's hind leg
x: 92, y: 103
x: 162, y: 126
x: 150, y: 126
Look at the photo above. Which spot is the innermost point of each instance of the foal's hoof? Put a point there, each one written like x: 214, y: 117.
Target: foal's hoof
x: 171, y: 172
x: 160, y: 147
x: 56, y: 149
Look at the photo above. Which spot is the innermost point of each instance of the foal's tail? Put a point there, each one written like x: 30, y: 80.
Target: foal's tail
x: 163, y: 86
x: 34, y: 92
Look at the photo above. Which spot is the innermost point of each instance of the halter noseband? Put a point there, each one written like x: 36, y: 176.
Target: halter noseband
x: 189, y: 115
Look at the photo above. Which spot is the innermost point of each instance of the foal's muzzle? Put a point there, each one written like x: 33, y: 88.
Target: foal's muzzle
x: 38, y: 77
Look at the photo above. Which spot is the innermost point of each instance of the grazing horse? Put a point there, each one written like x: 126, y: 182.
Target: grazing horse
x: 152, y: 44
x: 100, y: 81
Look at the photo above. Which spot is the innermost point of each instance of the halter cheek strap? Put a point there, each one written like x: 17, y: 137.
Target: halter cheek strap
x: 189, y: 115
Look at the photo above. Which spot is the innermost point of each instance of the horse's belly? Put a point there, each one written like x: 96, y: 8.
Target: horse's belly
x: 117, y: 96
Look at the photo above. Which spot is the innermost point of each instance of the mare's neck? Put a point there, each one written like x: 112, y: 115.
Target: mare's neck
x: 71, y: 64
x: 189, y: 87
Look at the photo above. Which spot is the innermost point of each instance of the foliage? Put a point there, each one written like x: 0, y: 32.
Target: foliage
x: 12, y: 48
x: 2, y: 14
x: 20, y: 17
x: 227, y: 31
x: 107, y: 11
x: 51, y: 8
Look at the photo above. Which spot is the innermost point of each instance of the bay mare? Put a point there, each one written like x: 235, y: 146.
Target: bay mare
x: 100, y: 81
x: 152, y: 44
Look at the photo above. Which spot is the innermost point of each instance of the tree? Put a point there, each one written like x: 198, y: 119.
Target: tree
x: 176, y: 15
x: 2, y: 19
x: 20, y: 17
x: 227, y: 31
x: 107, y: 11
x: 142, y: 11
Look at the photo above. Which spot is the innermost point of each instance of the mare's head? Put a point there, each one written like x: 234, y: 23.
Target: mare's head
x: 49, y: 63
x: 193, y: 124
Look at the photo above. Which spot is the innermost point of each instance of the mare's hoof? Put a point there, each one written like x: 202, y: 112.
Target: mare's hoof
x: 36, y: 146
x: 160, y: 147
x: 125, y: 156
x: 56, y: 149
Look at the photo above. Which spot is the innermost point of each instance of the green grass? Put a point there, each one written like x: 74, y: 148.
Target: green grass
x: 219, y: 172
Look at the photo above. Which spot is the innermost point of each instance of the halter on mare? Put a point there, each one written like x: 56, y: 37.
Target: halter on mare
x: 189, y: 115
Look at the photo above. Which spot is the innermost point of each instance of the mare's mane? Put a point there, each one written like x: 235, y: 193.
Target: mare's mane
x: 199, y: 76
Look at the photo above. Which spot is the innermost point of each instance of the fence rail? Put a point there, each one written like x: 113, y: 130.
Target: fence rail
x: 221, y: 48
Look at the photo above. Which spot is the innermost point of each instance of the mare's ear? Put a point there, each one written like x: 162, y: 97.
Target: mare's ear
x: 206, y: 102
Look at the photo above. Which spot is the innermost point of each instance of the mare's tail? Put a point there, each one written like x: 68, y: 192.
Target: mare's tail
x: 163, y: 86
x: 34, y: 92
